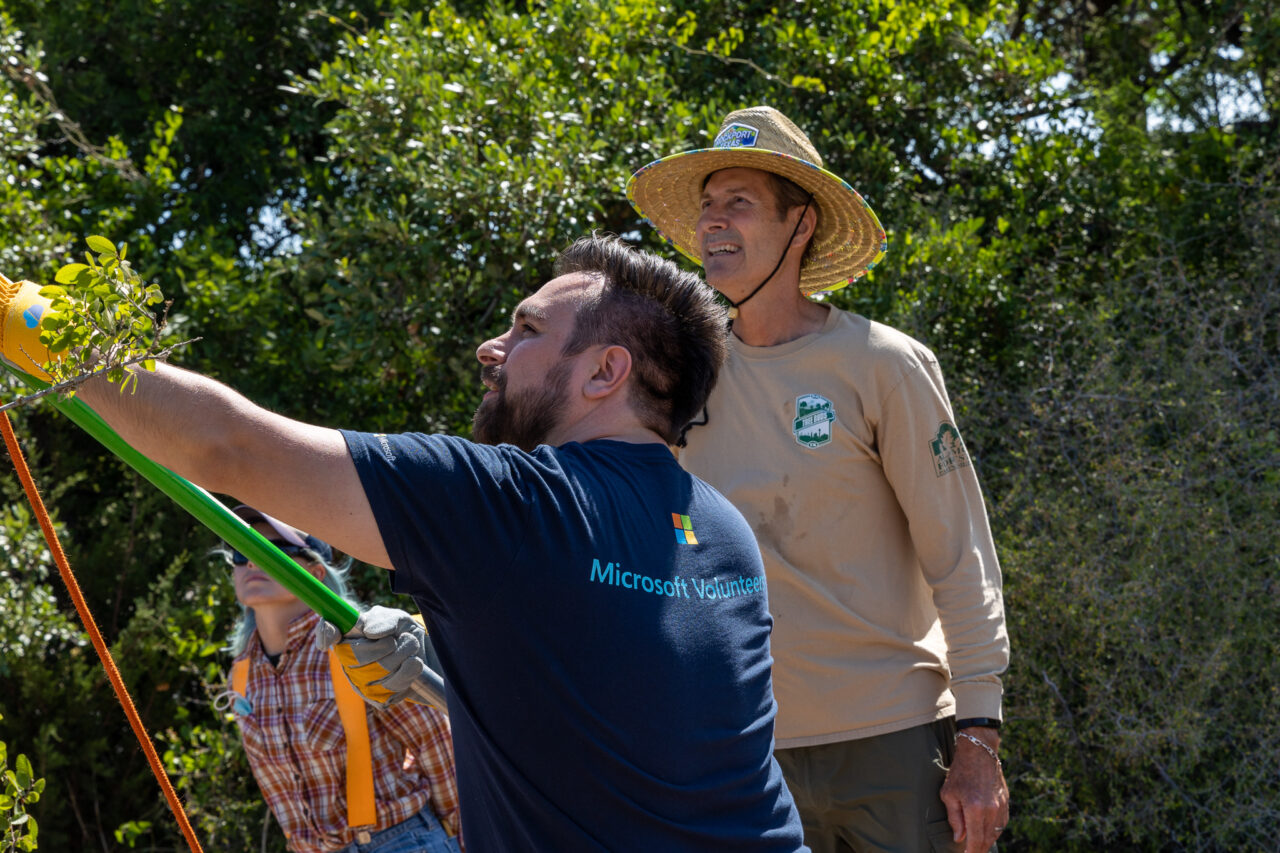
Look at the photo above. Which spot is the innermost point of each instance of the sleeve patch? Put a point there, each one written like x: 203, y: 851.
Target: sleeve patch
x: 948, y: 450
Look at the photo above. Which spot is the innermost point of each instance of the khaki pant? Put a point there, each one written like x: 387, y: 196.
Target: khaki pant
x: 875, y: 794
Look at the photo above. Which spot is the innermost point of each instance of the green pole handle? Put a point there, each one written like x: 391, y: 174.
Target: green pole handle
x: 211, y: 512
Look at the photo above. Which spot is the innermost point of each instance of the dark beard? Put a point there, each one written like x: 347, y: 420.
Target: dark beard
x: 524, y: 419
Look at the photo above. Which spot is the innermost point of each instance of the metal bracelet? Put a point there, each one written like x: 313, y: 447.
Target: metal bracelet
x: 989, y: 750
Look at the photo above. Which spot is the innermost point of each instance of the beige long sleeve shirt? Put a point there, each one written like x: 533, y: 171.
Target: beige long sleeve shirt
x: 841, y: 450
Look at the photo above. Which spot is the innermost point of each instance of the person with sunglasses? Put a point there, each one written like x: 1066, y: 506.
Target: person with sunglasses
x: 381, y: 782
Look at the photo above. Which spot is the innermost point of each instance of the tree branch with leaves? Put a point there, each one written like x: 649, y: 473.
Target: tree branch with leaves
x: 100, y: 320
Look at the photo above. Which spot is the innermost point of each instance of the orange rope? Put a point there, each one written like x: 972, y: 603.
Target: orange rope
x: 104, y: 654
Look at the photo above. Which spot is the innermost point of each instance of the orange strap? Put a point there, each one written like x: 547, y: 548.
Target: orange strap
x: 240, y: 676
x: 361, y: 808
x: 104, y: 654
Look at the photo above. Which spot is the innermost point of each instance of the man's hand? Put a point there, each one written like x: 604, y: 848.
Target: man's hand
x: 387, y: 657
x: 975, y: 793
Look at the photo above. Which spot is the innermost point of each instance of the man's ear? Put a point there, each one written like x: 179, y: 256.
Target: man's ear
x: 805, y: 232
x: 611, y: 367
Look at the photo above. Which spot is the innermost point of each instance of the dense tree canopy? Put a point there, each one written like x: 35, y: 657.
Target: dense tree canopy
x: 342, y: 202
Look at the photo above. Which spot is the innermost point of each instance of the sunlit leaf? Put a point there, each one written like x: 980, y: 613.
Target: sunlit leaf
x: 101, y: 245
x: 68, y: 273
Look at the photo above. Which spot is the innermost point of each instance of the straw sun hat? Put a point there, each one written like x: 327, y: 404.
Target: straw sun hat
x: 849, y: 238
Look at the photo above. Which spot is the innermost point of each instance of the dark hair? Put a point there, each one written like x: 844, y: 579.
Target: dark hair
x: 668, y: 319
x: 787, y: 194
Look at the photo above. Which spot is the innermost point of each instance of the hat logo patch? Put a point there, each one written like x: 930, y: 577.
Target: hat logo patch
x: 814, y: 416
x: 737, y: 136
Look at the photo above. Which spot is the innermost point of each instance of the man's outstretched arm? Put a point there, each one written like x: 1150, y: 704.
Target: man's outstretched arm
x: 218, y: 439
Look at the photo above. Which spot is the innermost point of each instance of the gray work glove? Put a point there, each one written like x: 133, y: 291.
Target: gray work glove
x: 387, y: 657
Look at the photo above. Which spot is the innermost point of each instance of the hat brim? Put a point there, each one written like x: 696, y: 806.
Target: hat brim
x: 849, y: 239
x: 292, y: 535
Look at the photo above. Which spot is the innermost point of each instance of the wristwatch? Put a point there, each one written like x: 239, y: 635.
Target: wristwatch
x: 975, y: 722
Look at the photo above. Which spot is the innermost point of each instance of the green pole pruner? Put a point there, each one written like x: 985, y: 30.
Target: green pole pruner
x: 212, y: 513
x: 21, y: 308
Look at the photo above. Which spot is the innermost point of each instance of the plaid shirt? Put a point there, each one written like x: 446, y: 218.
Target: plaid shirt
x: 296, y: 747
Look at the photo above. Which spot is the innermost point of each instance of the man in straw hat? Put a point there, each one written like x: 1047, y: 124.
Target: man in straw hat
x: 835, y: 437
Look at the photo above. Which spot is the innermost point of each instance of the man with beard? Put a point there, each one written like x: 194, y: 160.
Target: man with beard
x: 598, y: 613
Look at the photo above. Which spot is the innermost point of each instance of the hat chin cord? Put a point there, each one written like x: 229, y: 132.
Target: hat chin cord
x: 682, y: 440
x: 733, y: 306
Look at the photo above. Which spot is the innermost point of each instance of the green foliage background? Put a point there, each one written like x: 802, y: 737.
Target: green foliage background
x: 343, y: 201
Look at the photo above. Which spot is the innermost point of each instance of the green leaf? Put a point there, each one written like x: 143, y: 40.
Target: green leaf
x: 68, y: 274
x: 101, y: 245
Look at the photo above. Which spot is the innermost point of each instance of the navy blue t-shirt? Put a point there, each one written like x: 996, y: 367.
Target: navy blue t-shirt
x: 601, y: 619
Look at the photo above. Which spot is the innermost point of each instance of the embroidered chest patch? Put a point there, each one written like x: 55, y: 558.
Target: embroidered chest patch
x: 814, y: 416
x: 948, y: 450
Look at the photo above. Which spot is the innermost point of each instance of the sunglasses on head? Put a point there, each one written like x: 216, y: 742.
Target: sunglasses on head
x: 289, y: 549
